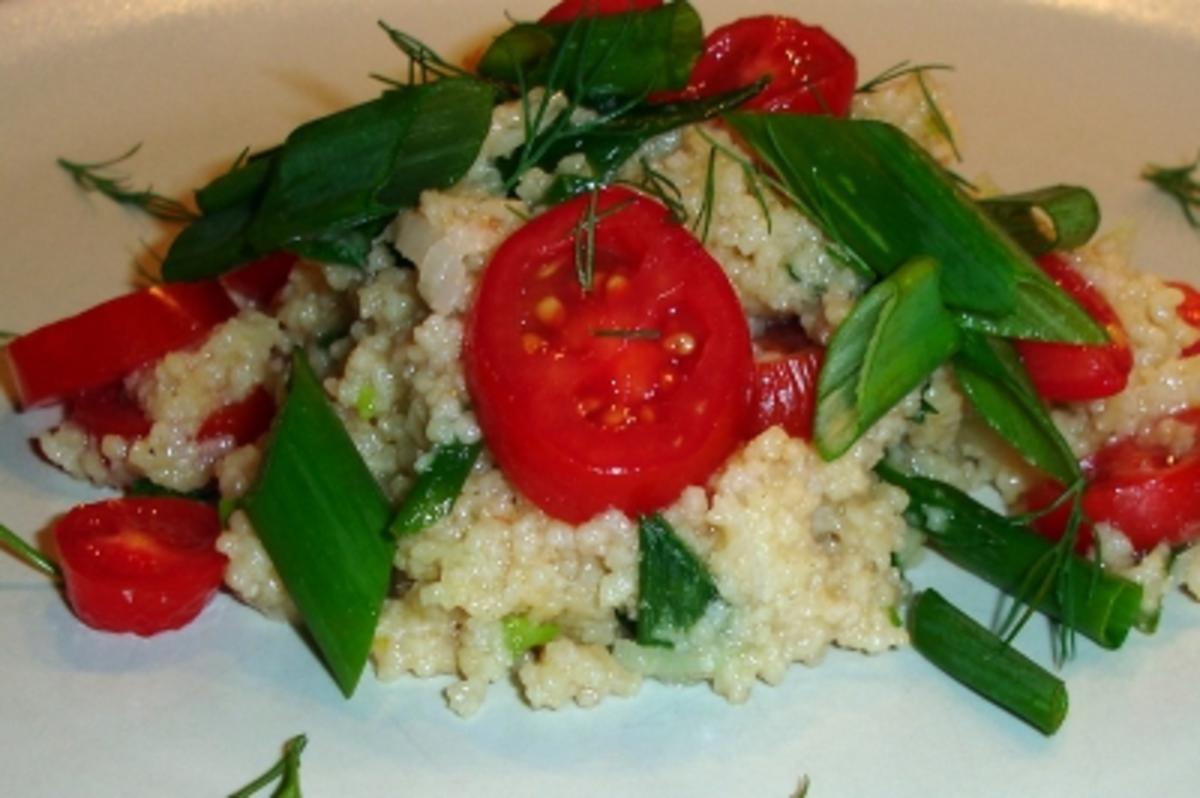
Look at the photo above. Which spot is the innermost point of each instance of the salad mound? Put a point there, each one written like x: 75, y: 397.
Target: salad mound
x: 639, y: 353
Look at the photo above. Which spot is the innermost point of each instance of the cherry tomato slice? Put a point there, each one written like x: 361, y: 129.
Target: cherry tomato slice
x: 1071, y: 372
x: 1189, y: 311
x: 108, y: 411
x: 103, y: 344
x: 259, y: 281
x: 1053, y: 524
x: 141, y: 565
x: 785, y: 384
x: 568, y: 10
x: 618, y: 396
x: 243, y: 420
x: 811, y: 72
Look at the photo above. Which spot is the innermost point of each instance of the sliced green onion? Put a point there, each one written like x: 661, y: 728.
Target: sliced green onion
x: 978, y: 659
x: 436, y: 488
x: 1006, y: 553
x: 1045, y: 219
x: 521, y: 634
x: 323, y: 521
x: 893, y: 339
x: 674, y: 586
x: 28, y: 554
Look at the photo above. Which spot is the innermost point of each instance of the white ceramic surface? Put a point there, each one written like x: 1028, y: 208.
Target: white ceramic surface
x: 1045, y: 91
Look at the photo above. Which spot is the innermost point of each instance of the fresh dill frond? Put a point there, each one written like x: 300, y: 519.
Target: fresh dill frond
x: 584, y: 236
x: 6, y: 336
x: 91, y: 177
x: 897, y: 71
x: 1181, y: 183
x: 631, y: 333
x: 424, y: 63
x: 664, y: 189
x: 940, y: 123
x: 755, y: 177
x: 703, y: 221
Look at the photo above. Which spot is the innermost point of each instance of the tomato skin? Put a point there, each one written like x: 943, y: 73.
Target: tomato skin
x: 108, y: 410
x: 243, y: 421
x: 811, y: 71
x: 259, y: 281
x: 1072, y: 372
x: 785, y: 391
x: 1150, y: 494
x: 1054, y: 523
x: 568, y: 10
x: 141, y: 565
x: 579, y: 421
x: 1189, y: 311
x: 106, y: 342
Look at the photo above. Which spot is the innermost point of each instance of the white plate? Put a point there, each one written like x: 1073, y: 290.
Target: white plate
x: 1074, y: 90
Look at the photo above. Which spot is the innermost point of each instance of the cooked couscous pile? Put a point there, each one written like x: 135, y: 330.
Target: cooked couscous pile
x: 804, y: 552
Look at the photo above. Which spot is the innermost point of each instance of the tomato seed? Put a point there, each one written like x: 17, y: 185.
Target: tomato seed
x: 680, y: 344
x: 550, y: 311
x: 532, y: 344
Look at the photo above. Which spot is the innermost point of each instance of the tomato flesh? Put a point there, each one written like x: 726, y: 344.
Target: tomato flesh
x: 810, y: 71
x: 568, y: 10
x: 785, y: 384
x: 103, y: 344
x: 141, y: 565
x: 109, y: 410
x: 617, y: 396
x: 259, y: 281
x: 1072, y: 372
x: 243, y: 421
x: 1189, y: 311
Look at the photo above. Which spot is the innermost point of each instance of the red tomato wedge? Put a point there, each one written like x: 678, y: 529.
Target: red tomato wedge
x: 103, y: 344
x: 108, y: 411
x: 141, y: 565
x: 618, y: 396
x: 811, y: 72
x: 259, y: 281
x: 1189, y: 311
x: 1071, y: 372
x: 785, y: 384
x: 1147, y: 491
x: 568, y: 10
x: 243, y: 420
x: 1053, y: 523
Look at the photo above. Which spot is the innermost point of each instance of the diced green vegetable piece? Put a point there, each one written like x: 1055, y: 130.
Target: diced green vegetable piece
x: 435, y: 490
x: 522, y: 634
x: 1055, y: 217
x: 674, y: 586
x: 993, y: 378
x: 975, y: 657
x: 893, y: 339
x: 1006, y: 553
x: 882, y: 201
x: 323, y: 521
x: 596, y: 59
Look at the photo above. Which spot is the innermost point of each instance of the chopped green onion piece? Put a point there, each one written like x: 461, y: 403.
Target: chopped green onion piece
x: 287, y: 769
x: 323, y: 520
x: 674, y: 587
x: 1008, y: 554
x: 27, y: 554
x: 521, y: 634
x: 1181, y: 184
x: 973, y: 656
x: 1045, y: 219
x: 894, y: 338
x: 435, y: 490
x: 596, y: 59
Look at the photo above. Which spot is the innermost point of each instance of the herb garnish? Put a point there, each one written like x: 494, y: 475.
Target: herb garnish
x: 287, y: 770
x: 1181, y: 184
x: 897, y: 71
x: 28, y: 554
x: 632, y: 333
x: 91, y: 177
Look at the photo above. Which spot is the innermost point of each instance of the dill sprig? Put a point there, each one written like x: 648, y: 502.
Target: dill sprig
x: 755, y: 178
x: 628, y: 333
x: 897, y: 71
x: 91, y: 177
x: 936, y: 116
x: 940, y: 123
x: 1179, y: 182
x: 664, y: 189
x: 703, y: 220
x: 6, y: 336
x: 424, y: 63
x: 585, y: 236
x: 287, y: 770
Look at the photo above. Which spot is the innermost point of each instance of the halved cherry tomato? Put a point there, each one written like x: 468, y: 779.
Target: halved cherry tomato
x: 108, y: 411
x: 1071, y: 372
x: 785, y: 383
x: 1189, y: 311
x: 1053, y: 523
x: 1147, y: 491
x: 243, y: 420
x: 103, y: 344
x: 141, y: 565
x: 616, y: 396
x: 259, y: 281
x: 811, y: 72
x: 568, y: 10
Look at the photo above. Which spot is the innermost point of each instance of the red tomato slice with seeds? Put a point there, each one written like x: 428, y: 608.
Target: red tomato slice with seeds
x: 1189, y: 311
x: 141, y: 565
x: 810, y: 71
x: 615, y: 396
x: 1072, y: 372
x: 568, y: 10
x: 103, y: 344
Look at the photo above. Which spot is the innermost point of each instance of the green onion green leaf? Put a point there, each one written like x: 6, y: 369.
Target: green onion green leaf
x: 287, y: 770
x: 521, y: 634
x: 28, y: 554
x: 1045, y: 219
x: 1181, y: 184
x: 436, y: 488
x: 674, y: 587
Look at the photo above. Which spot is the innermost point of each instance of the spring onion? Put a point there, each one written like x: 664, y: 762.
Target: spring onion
x: 674, y: 587
x: 433, y: 493
x: 522, y: 634
x: 1055, y: 217
x: 28, y: 554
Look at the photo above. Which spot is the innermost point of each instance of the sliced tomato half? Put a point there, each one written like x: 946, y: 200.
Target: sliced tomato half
x: 103, y: 344
x: 568, y: 10
x: 259, y: 281
x: 785, y: 382
x: 1189, y: 311
x: 1072, y: 372
x: 141, y: 565
x: 614, y: 391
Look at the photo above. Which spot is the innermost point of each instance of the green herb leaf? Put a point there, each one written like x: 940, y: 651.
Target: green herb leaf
x: 1180, y: 183
x: 893, y: 339
x: 28, y: 554
x: 993, y: 378
x: 91, y: 177
x: 1054, y: 217
x: 978, y: 659
x: 522, y: 634
x: 897, y: 71
x: 674, y: 587
x: 323, y: 520
x: 436, y: 488
x: 243, y: 183
x: 287, y: 769
x: 601, y: 59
